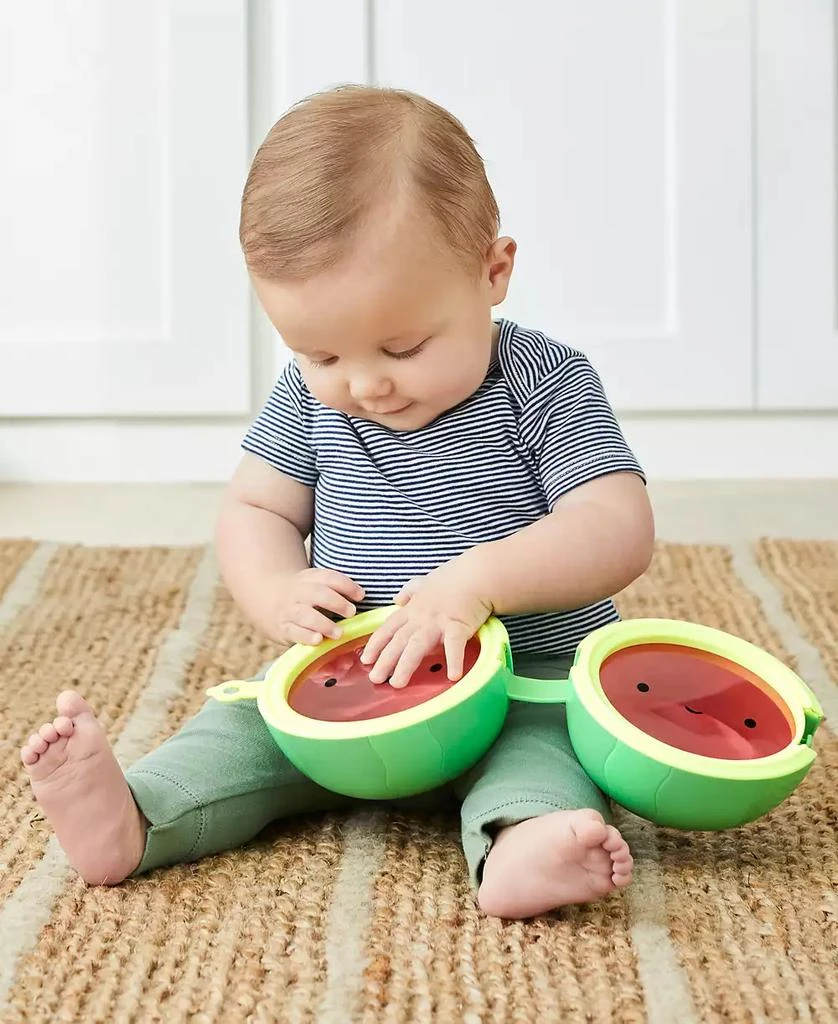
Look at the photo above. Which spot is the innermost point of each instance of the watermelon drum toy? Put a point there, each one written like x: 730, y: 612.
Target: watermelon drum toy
x: 682, y: 724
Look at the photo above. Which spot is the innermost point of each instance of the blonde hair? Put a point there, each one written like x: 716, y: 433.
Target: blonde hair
x: 331, y: 162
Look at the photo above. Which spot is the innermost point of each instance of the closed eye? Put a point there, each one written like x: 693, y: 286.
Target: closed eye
x: 410, y: 353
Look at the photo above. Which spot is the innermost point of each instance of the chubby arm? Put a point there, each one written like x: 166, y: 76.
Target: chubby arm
x: 264, y: 521
x: 598, y: 539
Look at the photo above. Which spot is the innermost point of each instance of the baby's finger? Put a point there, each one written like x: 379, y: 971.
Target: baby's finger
x: 386, y: 662
x: 338, y: 581
x: 315, y: 622
x: 329, y: 600
x: 407, y: 591
x: 297, y: 635
x: 455, y: 640
x: 380, y: 638
x: 417, y: 648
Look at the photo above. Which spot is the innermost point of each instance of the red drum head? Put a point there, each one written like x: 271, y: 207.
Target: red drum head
x: 337, y: 687
x: 696, y: 701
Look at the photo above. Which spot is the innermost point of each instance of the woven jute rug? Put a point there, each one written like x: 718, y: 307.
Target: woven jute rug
x: 368, y: 916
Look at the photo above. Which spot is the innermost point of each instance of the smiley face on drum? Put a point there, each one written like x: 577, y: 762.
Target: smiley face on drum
x: 696, y: 701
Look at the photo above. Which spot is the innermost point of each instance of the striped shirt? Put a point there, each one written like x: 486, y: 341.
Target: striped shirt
x: 389, y: 506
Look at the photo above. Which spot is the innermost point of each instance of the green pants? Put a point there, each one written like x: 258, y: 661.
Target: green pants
x: 221, y: 779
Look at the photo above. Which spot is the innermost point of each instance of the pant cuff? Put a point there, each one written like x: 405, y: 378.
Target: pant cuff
x: 172, y: 841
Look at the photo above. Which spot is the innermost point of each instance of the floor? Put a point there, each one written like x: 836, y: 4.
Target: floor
x: 720, y: 512
x: 714, y: 512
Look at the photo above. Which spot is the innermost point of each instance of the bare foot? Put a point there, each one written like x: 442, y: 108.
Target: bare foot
x: 83, y: 793
x: 551, y: 861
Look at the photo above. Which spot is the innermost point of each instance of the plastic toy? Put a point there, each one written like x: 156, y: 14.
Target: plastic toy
x: 682, y: 724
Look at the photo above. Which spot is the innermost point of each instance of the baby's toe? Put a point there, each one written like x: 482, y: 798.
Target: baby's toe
x: 63, y: 725
x: 589, y: 829
x: 37, y: 743
x: 622, y: 859
x: 614, y: 842
x: 69, y: 704
x: 621, y: 875
x: 48, y: 732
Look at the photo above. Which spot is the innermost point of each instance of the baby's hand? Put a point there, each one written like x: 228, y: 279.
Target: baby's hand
x: 300, y: 619
x: 444, y: 607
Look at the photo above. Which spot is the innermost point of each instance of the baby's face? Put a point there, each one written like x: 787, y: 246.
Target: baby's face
x: 396, y: 333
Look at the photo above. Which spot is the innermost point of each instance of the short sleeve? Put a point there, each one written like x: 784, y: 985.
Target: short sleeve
x: 281, y: 433
x: 569, y: 426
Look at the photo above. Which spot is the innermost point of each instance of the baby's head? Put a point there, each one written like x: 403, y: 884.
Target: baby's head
x: 371, y: 235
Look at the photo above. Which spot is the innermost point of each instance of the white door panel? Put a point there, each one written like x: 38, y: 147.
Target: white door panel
x: 122, y: 288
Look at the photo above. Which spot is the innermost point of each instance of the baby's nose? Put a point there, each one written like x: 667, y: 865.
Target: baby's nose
x: 366, y: 386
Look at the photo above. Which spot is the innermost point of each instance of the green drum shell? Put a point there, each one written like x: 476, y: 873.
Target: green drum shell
x: 422, y: 749
x: 668, y: 795
x: 410, y: 760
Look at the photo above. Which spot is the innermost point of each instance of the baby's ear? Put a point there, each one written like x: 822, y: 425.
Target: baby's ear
x: 500, y: 261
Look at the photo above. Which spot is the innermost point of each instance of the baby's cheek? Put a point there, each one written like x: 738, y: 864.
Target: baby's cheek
x: 442, y: 381
x: 329, y: 392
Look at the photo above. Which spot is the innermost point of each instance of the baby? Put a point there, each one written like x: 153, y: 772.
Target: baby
x: 452, y: 464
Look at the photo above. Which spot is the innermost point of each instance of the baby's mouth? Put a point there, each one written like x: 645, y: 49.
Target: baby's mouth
x: 390, y: 412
